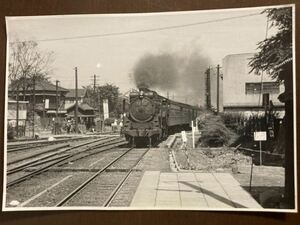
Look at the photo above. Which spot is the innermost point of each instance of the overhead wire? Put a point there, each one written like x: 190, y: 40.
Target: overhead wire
x: 140, y: 31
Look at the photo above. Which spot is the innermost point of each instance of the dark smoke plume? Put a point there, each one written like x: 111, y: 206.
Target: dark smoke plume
x: 181, y: 75
x: 156, y: 71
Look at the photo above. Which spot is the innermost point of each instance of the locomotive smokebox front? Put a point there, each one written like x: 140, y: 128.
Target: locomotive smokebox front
x: 142, y: 108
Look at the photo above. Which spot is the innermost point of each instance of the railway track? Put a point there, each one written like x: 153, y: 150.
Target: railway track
x: 14, y: 158
x: 16, y: 147
x: 58, y: 158
x: 81, y: 191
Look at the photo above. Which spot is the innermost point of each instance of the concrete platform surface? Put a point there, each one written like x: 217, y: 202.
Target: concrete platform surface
x: 191, y: 190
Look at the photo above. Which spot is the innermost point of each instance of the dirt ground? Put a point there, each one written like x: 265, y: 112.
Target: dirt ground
x: 267, y: 183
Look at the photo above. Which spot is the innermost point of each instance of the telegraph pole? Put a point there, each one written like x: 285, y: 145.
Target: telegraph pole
x: 99, y: 104
x: 208, y: 103
x: 94, y: 95
x: 94, y: 83
x: 56, y: 112
x: 17, y: 98
x: 44, y: 109
x: 76, y: 101
x: 33, y: 107
x: 218, y: 88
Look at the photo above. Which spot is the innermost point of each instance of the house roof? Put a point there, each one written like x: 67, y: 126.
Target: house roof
x: 71, y: 93
x: 44, y: 85
x: 83, y: 106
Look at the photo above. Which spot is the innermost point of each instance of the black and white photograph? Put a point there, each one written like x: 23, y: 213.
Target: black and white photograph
x: 185, y: 110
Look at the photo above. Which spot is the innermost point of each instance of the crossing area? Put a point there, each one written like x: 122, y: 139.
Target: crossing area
x: 191, y: 190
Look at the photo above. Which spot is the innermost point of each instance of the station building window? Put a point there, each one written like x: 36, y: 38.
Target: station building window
x: 265, y: 87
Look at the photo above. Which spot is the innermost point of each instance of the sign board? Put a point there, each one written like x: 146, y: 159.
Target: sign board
x: 260, y: 136
x: 105, y: 109
x: 47, y: 103
x: 183, y: 136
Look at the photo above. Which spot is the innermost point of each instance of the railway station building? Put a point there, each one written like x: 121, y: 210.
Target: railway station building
x: 246, y: 92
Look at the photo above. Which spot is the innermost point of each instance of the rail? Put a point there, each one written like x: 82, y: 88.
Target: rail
x: 63, y: 159
x: 90, y: 179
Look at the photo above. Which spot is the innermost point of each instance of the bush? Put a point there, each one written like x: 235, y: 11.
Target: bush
x: 109, y: 121
x: 213, y: 131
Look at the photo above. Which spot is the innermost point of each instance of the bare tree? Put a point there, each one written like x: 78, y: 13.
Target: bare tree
x: 27, y: 62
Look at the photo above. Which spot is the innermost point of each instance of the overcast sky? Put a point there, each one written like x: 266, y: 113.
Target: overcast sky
x: 117, y: 54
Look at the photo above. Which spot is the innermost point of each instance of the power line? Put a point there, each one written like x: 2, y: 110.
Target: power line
x: 141, y: 31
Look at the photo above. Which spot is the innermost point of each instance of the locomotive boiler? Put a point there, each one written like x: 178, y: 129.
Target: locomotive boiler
x: 152, y: 117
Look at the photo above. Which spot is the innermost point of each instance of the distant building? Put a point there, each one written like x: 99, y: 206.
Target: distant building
x: 45, y: 101
x: 71, y: 96
x: 86, y: 114
x: 12, y: 112
x: 246, y: 92
x: 14, y: 115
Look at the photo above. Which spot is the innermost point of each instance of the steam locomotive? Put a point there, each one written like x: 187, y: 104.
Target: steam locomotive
x: 152, y: 117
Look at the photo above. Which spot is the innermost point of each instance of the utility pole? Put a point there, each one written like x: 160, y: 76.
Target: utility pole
x: 94, y: 83
x: 44, y: 109
x: 94, y: 95
x: 33, y: 107
x: 218, y: 88
x: 76, y: 101
x: 56, y: 112
x: 100, y: 119
x: 208, y: 105
x: 17, y: 119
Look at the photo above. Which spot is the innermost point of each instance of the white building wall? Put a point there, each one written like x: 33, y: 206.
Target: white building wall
x: 236, y: 70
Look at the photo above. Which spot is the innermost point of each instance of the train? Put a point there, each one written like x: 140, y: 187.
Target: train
x: 152, y: 117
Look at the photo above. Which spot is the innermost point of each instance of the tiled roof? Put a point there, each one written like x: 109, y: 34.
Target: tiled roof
x: 83, y: 106
x: 46, y: 86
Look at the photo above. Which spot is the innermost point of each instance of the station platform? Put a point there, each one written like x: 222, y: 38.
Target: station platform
x: 191, y: 190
